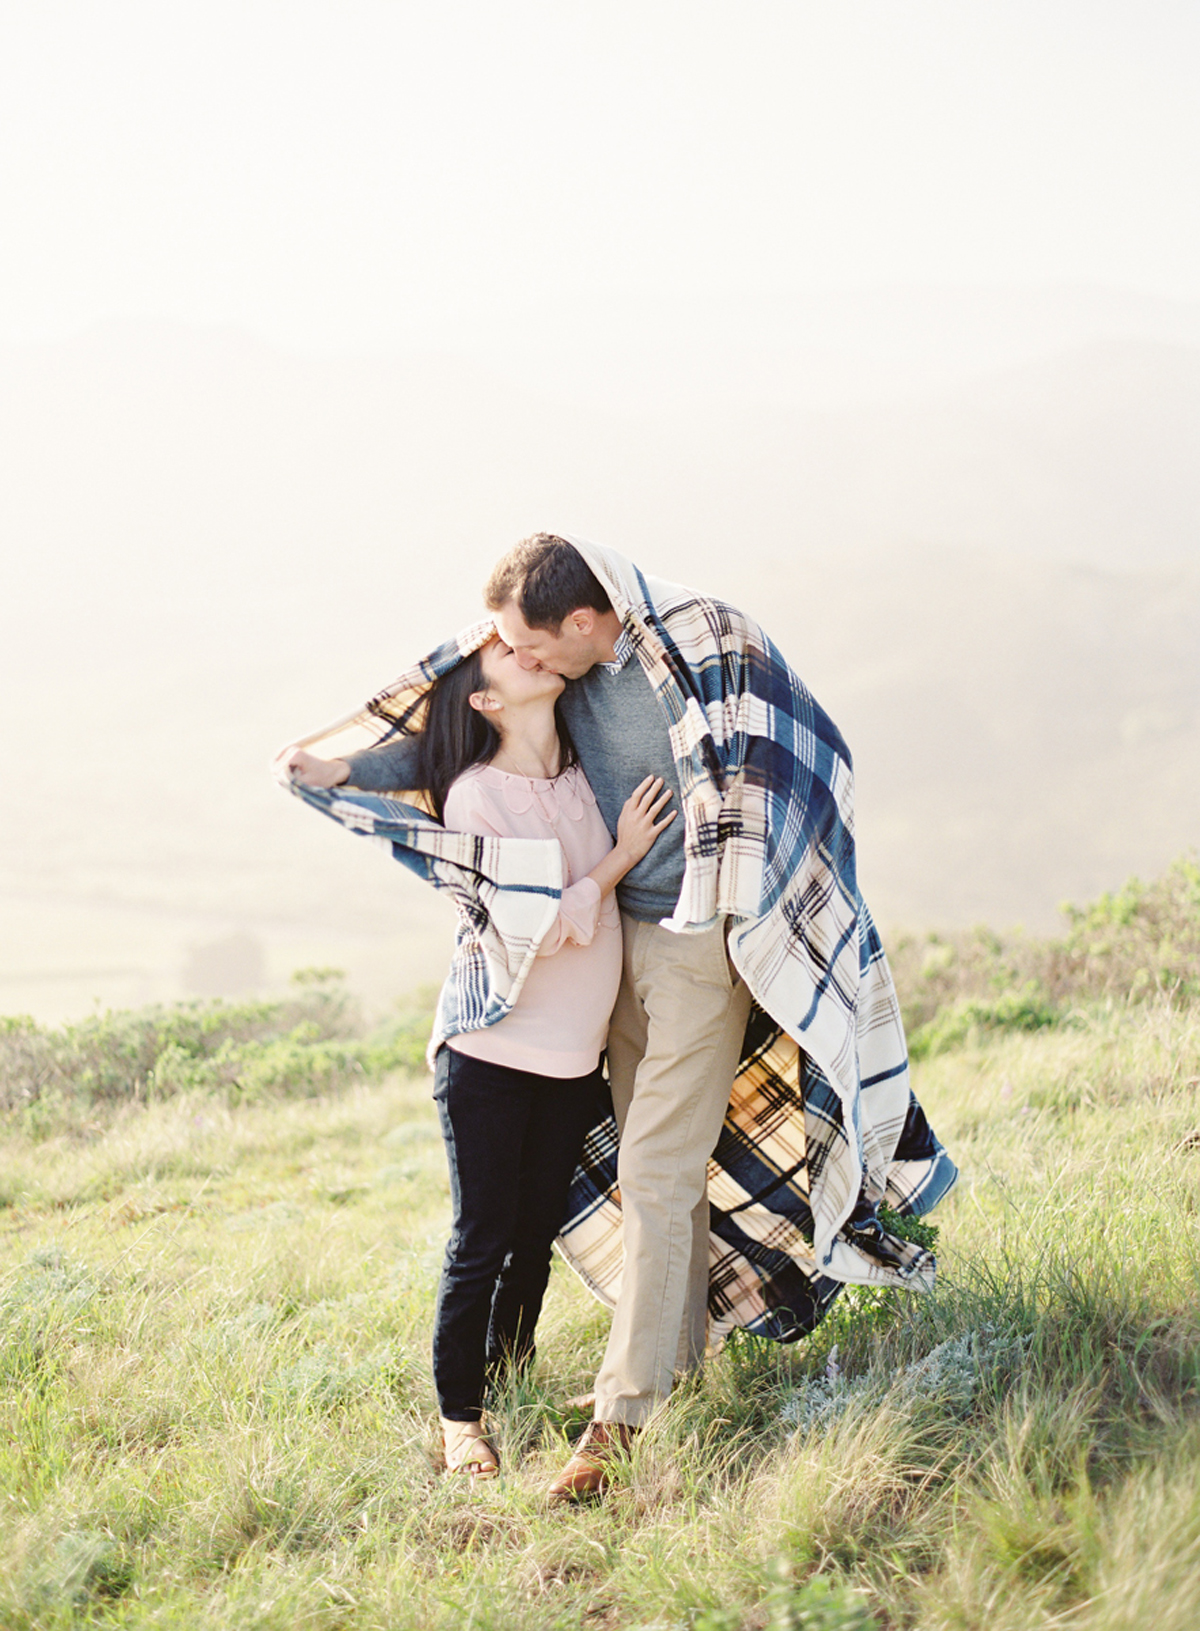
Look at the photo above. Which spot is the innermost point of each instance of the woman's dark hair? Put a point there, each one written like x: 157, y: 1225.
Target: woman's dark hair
x: 456, y: 736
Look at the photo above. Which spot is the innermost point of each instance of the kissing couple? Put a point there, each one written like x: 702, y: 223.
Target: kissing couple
x: 669, y: 1038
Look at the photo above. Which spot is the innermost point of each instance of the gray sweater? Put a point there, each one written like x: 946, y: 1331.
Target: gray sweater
x: 622, y: 738
x: 621, y: 735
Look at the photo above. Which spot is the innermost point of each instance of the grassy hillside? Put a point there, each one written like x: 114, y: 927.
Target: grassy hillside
x: 221, y: 1230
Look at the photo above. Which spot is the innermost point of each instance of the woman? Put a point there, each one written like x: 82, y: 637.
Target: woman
x: 516, y: 1100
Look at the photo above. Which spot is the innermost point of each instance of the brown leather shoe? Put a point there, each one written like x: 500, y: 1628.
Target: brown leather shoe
x: 587, y: 1472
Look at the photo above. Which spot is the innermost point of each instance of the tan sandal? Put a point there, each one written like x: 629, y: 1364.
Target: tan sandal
x: 468, y: 1449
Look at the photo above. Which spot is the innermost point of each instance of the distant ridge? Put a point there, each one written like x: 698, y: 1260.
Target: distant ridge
x: 214, y: 545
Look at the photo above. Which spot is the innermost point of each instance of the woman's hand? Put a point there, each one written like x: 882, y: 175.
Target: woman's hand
x: 638, y: 824
x: 637, y: 827
x: 301, y: 766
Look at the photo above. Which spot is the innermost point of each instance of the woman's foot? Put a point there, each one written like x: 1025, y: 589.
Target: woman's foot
x: 468, y: 1449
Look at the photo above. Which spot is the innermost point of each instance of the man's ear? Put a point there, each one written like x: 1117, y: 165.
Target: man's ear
x: 583, y: 621
x: 483, y: 701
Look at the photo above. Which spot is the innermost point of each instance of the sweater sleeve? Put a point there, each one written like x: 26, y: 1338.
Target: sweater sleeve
x: 390, y: 767
x: 469, y: 809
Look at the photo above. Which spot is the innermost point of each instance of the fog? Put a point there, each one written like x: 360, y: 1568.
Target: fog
x: 277, y: 387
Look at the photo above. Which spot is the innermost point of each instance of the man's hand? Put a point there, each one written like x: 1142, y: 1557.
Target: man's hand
x: 298, y: 765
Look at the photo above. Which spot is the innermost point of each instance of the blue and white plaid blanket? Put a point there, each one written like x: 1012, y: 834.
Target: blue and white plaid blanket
x: 822, y: 1127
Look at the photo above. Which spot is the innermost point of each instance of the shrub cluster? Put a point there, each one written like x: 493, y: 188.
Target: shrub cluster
x: 1141, y: 941
x: 308, y: 1043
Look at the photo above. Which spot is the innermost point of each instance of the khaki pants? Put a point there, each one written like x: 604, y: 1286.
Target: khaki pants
x: 673, y: 1047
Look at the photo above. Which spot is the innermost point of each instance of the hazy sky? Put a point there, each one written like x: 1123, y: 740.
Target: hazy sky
x: 366, y: 173
x: 707, y: 267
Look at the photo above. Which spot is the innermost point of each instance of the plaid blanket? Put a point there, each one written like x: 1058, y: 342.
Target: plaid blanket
x: 822, y: 1128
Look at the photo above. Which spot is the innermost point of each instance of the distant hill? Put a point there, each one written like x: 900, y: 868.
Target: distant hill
x: 211, y: 546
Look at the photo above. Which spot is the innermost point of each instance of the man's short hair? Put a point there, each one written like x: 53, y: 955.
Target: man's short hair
x: 548, y: 579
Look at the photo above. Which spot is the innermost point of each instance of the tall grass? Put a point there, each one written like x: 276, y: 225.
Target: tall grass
x: 216, y: 1408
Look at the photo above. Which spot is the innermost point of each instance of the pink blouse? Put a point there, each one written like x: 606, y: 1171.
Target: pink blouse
x: 559, y: 1023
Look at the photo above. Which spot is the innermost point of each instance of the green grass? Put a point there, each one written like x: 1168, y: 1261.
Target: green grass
x: 215, y: 1406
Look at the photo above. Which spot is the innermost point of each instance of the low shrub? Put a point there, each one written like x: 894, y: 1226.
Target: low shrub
x: 306, y: 1044
x: 1142, y: 941
x: 1026, y: 1009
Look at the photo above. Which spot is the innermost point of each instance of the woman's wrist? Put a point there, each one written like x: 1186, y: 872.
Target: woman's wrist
x: 608, y: 873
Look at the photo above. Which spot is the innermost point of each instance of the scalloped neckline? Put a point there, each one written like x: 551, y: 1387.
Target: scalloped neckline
x: 567, y: 794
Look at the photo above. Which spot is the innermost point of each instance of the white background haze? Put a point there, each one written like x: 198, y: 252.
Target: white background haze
x: 881, y: 320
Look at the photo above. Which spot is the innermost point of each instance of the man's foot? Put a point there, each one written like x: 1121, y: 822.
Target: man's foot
x: 588, y: 1471
x: 468, y: 1449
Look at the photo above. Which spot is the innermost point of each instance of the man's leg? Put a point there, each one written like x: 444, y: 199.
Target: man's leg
x: 628, y: 1034
x: 674, y: 1045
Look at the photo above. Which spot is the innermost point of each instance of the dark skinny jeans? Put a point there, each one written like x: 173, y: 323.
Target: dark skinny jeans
x: 513, y: 1140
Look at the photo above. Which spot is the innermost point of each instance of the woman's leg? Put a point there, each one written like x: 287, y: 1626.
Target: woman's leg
x: 564, y: 1110
x: 484, y: 1111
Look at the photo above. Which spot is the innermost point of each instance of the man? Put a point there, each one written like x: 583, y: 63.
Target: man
x: 752, y: 894
x: 676, y: 1031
